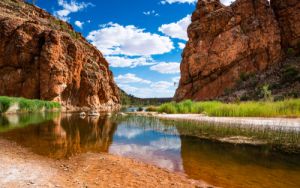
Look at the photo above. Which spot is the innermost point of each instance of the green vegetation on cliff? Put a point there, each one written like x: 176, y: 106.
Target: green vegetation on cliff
x: 25, y: 105
x: 286, y: 108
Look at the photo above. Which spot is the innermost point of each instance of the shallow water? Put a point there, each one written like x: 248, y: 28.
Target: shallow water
x: 220, y: 164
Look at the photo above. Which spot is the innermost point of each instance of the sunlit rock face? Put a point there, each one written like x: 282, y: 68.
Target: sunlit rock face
x: 288, y: 15
x: 44, y: 58
x: 224, y: 43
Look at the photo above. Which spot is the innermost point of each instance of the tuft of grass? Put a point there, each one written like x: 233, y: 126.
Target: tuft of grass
x: 285, y: 108
x: 27, y: 105
x: 169, y: 108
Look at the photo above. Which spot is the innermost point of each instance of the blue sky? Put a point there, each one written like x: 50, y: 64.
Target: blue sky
x: 141, y: 39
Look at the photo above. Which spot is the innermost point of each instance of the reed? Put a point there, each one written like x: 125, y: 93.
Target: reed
x: 26, y: 105
x: 286, y: 108
x: 287, y: 140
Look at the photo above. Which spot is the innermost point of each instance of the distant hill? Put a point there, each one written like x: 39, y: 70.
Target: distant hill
x: 127, y: 100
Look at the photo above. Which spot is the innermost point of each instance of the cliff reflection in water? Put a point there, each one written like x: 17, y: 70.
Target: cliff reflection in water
x: 66, y: 135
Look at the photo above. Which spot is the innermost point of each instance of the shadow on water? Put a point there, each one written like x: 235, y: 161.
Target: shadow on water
x: 153, y: 141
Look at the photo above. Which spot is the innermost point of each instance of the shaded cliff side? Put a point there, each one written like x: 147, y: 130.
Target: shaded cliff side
x: 288, y: 15
x: 227, y: 42
x: 42, y: 57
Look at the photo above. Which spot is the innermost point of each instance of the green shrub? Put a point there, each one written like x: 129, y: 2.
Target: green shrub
x: 267, y: 93
x: 290, y: 74
x: 140, y: 109
x: 290, y: 52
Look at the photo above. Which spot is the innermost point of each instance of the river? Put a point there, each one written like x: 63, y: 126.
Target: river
x: 60, y: 136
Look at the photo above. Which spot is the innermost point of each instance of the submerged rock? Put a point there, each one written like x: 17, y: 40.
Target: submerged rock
x: 42, y: 57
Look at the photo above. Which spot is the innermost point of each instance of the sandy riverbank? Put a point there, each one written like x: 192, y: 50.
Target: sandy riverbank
x: 22, y: 168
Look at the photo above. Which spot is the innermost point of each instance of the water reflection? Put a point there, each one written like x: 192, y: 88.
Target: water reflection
x: 13, y: 121
x: 64, y: 136
x: 150, y: 140
x: 147, y: 144
x: 230, y: 165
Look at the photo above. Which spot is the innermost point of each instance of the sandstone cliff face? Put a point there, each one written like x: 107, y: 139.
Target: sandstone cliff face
x: 225, y: 43
x: 43, y: 58
x: 288, y: 15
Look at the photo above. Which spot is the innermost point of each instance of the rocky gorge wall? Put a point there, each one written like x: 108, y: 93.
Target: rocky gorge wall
x: 288, y: 15
x: 229, y: 42
x: 44, y: 58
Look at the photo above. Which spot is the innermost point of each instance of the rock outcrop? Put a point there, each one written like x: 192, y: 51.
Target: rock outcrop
x: 225, y: 43
x: 288, y: 15
x: 42, y: 57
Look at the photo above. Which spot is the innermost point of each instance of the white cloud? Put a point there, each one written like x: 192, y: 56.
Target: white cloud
x: 130, y: 78
x: 148, y: 153
x: 166, y: 68
x: 151, y: 13
x: 153, y: 90
x: 161, y: 85
x: 79, y: 24
x: 225, y: 2
x: 177, y: 29
x: 115, y: 39
x: 128, y: 133
x: 69, y: 7
x: 167, y: 144
x: 181, y: 45
x: 130, y: 89
x: 124, y: 61
x: 178, y: 1
x: 148, y: 89
x: 176, y: 79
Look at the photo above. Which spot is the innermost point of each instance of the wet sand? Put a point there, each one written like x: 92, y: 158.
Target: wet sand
x: 20, y: 167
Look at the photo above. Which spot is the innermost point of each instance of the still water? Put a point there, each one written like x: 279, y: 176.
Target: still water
x: 150, y: 140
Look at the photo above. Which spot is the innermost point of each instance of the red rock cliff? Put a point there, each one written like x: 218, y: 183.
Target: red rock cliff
x: 225, y: 43
x: 43, y: 58
x: 288, y: 16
